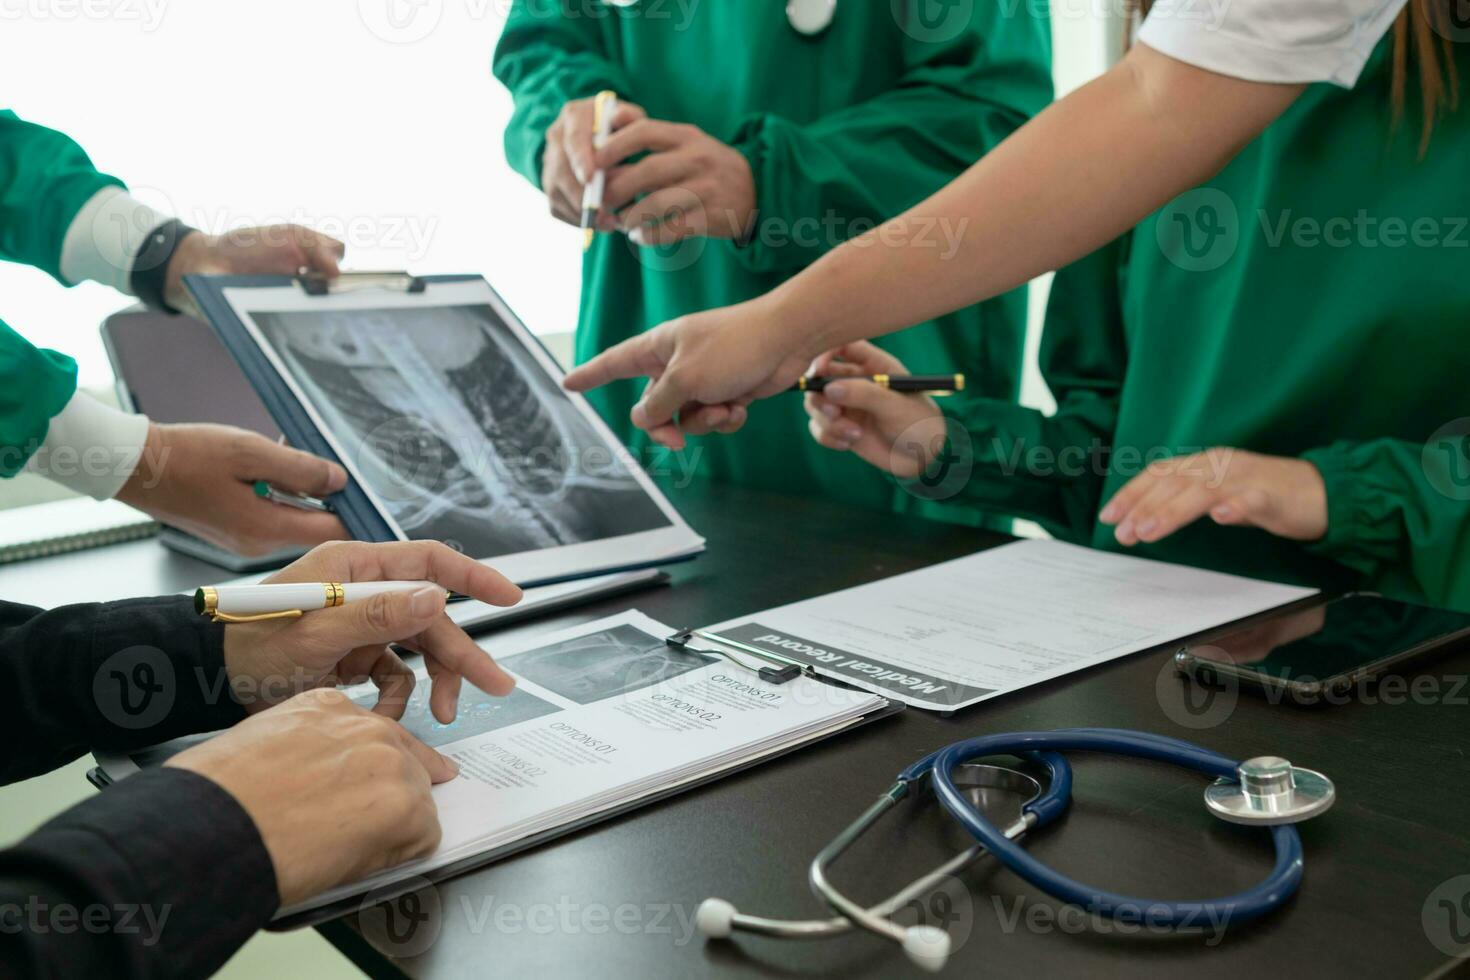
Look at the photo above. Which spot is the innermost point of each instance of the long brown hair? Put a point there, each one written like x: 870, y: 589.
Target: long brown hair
x: 1422, y: 31
x: 1425, y: 25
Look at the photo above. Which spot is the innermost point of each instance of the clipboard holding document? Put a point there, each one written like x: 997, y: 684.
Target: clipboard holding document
x: 606, y: 718
x: 451, y: 421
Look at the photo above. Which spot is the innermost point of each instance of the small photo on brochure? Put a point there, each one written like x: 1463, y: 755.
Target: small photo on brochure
x: 603, y: 664
x: 478, y: 714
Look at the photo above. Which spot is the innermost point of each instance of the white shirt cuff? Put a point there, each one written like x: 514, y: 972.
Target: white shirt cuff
x: 105, y: 236
x: 91, y: 448
x: 1281, y: 41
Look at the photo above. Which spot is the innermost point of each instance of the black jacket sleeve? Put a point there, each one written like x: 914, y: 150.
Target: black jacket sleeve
x: 112, y: 675
x: 162, y: 875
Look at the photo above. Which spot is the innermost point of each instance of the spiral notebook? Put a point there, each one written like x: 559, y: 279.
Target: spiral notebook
x: 41, y: 530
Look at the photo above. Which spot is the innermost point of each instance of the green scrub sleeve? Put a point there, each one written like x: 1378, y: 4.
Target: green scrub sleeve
x: 1019, y: 462
x: 35, y: 385
x: 1049, y: 468
x: 549, y: 55
x: 824, y: 182
x: 45, y: 178
x: 1399, y: 512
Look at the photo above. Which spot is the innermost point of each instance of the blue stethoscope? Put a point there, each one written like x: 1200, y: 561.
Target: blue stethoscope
x: 1265, y: 791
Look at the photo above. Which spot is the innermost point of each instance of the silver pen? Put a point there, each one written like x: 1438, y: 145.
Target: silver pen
x: 300, y: 501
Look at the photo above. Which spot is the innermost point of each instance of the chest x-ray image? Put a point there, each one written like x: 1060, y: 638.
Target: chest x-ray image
x: 455, y: 429
x: 600, y: 665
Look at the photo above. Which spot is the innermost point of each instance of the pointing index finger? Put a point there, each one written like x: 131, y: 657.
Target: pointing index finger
x: 637, y: 357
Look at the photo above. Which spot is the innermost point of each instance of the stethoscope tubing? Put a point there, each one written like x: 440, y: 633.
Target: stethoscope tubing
x: 876, y: 919
x: 1243, y: 906
x: 1059, y: 776
x: 839, y: 925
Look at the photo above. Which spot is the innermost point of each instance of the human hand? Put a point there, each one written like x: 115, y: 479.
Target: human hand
x: 1286, y: 497
x: 704, y: 370
x: 567, y: 163
x: 199, y: 478
x: 689, y: 185
x: 268, y: 250
x: 272, y: 660
x: 336, y: 792
x: 895, y: 432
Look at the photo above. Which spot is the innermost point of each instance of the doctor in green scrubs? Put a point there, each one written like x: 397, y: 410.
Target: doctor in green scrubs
x: 1267, y: 377
x: 60, y: 214
x: 754, y: 137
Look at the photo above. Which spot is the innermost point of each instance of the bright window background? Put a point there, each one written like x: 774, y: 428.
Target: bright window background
x: 230, y: 113
x: 234, y: 113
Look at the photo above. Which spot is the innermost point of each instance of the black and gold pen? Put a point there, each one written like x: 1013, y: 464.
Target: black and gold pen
x: 908, y: 384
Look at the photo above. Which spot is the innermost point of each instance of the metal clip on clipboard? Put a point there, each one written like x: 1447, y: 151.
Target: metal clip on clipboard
x: 780, y: 669
x: 350, y: 282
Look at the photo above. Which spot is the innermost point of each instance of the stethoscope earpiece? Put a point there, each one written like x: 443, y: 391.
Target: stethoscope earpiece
x: 806, y: 17
x: 927, y: 947
x: 810, y: 17
x: 715, y: 918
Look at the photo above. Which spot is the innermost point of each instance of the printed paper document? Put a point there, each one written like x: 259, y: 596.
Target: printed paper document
x: 961, y: 632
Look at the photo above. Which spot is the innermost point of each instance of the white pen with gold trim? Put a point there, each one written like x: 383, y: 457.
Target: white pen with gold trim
x: 248, y: 603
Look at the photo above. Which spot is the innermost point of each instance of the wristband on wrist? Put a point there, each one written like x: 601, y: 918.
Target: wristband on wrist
x: 149, y: 276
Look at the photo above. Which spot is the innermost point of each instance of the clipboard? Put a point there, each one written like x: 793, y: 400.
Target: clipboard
x: 350, y: 282
x: 364, y: 519
x: 681, y: 640
x: 352, y: 504
x: 112, y: 766
x: 387, y: 893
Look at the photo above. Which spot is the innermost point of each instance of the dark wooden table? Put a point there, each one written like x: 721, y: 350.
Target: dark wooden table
x: 618, y: 900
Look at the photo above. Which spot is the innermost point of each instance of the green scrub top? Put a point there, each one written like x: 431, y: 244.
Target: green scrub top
x: 1311, y: 301
x: 842, y: 131
x: 45, y: 178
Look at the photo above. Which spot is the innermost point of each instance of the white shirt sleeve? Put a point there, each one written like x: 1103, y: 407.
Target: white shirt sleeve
x: 90, y: 447
x: 104, y: 238
x: 1287, y: 41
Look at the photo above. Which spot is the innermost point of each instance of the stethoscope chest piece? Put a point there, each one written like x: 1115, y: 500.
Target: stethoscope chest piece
x: 811, y: 17
x: 1269, y: 791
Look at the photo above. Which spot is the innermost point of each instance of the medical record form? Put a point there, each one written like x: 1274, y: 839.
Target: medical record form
x: 948, y: 636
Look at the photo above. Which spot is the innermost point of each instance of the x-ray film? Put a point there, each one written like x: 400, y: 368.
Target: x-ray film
x: 452, y: 419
